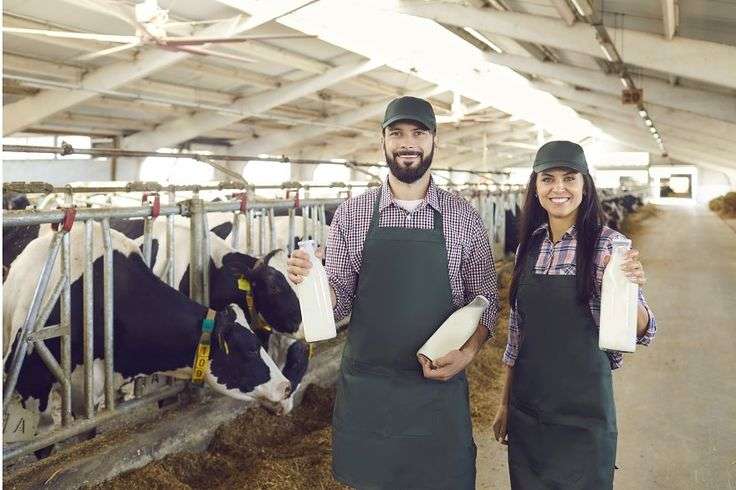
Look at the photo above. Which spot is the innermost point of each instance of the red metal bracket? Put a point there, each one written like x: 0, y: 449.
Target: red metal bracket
x: 156, y: 206
x: 297, y: 202
x: 67, y: 221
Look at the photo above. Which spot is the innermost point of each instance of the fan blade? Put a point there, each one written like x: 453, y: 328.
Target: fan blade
x: 106, y: 52
x: 207, y: 52
x: 193, y: 41
x: 73, y: 35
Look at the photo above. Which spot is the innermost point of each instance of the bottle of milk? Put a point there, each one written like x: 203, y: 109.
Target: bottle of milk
x: 314, y: 299
x: 619, y: 302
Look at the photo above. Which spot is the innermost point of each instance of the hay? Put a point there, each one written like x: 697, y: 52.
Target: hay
x: 724, y: 206
x: 257, y: 450
x: 260, y: 450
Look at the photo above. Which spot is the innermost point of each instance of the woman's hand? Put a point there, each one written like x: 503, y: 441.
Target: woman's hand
x: 500, y: 424
x: 631, y: 266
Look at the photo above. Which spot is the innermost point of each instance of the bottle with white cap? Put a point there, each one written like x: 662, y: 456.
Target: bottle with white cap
x: 314, y: 299
x: 619, y: 302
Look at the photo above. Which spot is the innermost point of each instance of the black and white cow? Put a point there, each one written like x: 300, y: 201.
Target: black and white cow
x: 156, y: 328
x: 273, y: 297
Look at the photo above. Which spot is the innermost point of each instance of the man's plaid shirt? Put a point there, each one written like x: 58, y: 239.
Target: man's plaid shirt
x: 470, y: 263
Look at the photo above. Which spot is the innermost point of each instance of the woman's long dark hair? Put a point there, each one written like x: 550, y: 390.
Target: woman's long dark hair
x: 588, y: 225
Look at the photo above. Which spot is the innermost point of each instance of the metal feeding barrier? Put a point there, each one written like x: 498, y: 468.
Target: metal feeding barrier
x: 33, y: 333
x: 256, y: 217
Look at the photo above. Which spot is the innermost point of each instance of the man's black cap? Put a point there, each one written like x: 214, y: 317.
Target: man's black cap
x: 410, y: 108
x: 561, y: 154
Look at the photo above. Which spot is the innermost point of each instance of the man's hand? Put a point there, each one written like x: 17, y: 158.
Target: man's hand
x: 298, y: 265
x: 447, y: 366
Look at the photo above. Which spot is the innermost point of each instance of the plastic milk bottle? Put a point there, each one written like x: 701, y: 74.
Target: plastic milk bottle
x: 619, y: 300
x: 314, y: 299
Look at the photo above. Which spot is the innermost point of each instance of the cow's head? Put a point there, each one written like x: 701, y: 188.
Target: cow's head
x: 273, y: 297
x: 277, y: 301
x: 239, y: 367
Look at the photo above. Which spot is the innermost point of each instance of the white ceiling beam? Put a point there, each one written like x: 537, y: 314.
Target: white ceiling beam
x: 185, y: 128
x: 564, y: 10
x: 674, y: 146
x: 275, y: 140
x: 682, y: 119
x: 700, y: 60
x: 28, y: 111
x: 670, y: 17
x: 709, y: 104
x: 705, y: 143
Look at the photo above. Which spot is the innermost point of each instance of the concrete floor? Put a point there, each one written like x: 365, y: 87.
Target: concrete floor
x: 676, y: 399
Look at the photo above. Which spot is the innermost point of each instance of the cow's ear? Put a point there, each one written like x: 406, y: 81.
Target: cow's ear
x: 223, y: 229
x: 239, y: 264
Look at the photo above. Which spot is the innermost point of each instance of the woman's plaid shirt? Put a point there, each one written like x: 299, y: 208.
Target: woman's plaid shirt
x: 559, y: 259
x: 470, y: 263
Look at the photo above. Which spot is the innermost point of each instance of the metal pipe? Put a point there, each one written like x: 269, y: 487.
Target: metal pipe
x: 196, y: 251
x: 88, y: 320
x: 261, y: 232
x: 271, y: 230
x: 323, y: 216
x: 305, y: 212
x: 147, y: 240
x: 86, y: 425
x: 48, y: 307
x: 292, y: 230
x: 205, y: 260
x: 109, y: 309
x: 32, y: 217
x: 65, y: 318
x: 235, y: 233
x: 112, y: 152
x: 170, y: 250
x: 22, y: 346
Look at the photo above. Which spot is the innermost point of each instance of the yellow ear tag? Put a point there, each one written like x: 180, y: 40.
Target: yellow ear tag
x: 244, y: 284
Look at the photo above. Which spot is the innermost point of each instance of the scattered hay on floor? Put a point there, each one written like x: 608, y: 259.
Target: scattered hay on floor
x: 257, y: 450
x: 724, y: 206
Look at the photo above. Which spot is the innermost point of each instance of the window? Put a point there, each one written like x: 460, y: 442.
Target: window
x: 170, y: 170
x: 258, y: 172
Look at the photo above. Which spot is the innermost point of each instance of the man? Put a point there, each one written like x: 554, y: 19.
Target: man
x: 403, y: 257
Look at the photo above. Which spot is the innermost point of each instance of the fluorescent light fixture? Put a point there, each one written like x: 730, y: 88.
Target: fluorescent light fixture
x: 480, y: 37
x: 624, y: 82
x: 648, y: 122
x: 643, y: 113
x: 264, y: 155
x: 583, y: 7
x: 652, y: 130
x: 338, y: 160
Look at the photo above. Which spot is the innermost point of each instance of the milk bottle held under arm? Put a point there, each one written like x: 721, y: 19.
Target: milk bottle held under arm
x: 619, y: 303
x: 314, y: 299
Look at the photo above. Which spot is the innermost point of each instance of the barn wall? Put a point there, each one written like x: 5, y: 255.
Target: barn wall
x: 56, y: 172
x: 712, y: 184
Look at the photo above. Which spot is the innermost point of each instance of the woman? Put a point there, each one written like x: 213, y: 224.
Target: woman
x: 557, y: 413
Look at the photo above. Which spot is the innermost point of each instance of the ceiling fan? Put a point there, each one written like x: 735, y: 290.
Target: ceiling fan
x: 151, y: 22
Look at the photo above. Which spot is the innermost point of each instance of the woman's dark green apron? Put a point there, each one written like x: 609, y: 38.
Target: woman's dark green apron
x: 393, y: 428
x: 562, y: 418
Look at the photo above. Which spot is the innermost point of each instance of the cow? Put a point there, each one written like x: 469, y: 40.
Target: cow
x: 156, y: 328
x: 273, y: 298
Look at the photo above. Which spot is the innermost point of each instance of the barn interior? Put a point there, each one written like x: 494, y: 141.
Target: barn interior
x: 261, y: 117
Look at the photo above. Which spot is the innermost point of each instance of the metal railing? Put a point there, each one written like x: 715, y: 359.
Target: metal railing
x: 258, y: 218
x: 33, y: 333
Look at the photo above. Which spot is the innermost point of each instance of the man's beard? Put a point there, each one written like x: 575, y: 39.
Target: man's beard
x: 408, y: 175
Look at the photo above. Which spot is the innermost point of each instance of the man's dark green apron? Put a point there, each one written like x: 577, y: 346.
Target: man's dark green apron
x: 393, y: 428
x: 562, y: 418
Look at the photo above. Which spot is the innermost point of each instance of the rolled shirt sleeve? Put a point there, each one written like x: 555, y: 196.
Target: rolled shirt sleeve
x: 341, y: 275
x: 514, y: 338
x: 648, y: 336
x: 478, y: 272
